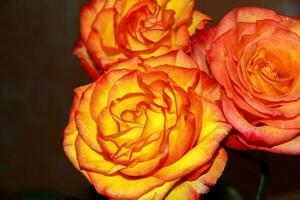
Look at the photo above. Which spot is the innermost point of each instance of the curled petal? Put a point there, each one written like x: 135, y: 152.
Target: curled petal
x: 159, y: 192
x: 102, y: 89
x: 174, y: 58
x: 199, y: 21
x: 181, y: 38
x: 81, y: 52
x: 208, y: 87
x: 135, y: 188
x: 88, y: 14
x: 200, y: 44
x: 92, y: 161
x: 183, y: 10
x: 184, y: 77
x: 245, y: 14
x: 192, y: 189
x: 142, y: 168
x: 291, y: 147
x: 85, y: 124
x: 71, y: 132
x: 262, y: 135
x: 212, y: 133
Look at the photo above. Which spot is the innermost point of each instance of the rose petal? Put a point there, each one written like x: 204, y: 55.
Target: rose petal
x: 293, y: 123
x: 130, y: 63
x: 183, y: 131
x: 135, y: 188
x: 185, y: 78
x: 159, y: 192
x: 100, y: 96
x: 213, y: 120
x: 71, y: 132
x: 88, y: 14
x: 292, y: 24
x: 198, y: 22
x: 208, y: 87
x: 86, y: 126
x: 85, y: 60
x: 290, y: 147
x: 183, y: 191
x: 244, y: 14
x: 98, y: 52
x: 214, y: 173
x: 92, y: 161
x: 200, y: 43
x: 125, y: 7
x: 127, y: 84
x: 142, y: 168
x: 216, y: 58
x: 260, y: 136
x: 192, y: 189
x: 174, y: 58
x: 104, y: 26
x: 161, y: 50
x: 291, y: 109
x: 181, y: 38
x: 183, y: 10
x: 154, y: 35
x: 212, y: 133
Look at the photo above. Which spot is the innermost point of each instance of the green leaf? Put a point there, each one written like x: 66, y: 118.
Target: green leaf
x: 233, y: 194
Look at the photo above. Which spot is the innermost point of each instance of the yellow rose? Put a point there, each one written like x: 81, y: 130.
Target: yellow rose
x: 114, y: 30
x: 148, y: 130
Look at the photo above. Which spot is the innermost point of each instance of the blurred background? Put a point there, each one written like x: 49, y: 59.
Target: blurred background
x: 38, y: 73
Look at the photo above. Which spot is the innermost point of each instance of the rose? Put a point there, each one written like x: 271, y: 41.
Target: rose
x: 148, y: 130
x: 254, y: 54
x: 113, y: 30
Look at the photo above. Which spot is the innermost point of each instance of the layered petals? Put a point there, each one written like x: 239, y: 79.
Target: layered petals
x: 113, y: 31
x: 192, y: 189
x: 259, y: 78
x: 142, y: 120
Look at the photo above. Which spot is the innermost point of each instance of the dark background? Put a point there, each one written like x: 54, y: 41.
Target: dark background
x: 38, y: 73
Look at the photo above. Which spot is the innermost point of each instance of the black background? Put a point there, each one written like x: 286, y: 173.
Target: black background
x: 38, y: 73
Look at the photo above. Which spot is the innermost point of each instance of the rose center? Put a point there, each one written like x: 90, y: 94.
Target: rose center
x: 143, y: 28
x: 267, y: 76
x: 141, y: 120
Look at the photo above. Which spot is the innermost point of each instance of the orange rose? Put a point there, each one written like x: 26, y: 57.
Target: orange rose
x: 255, y: 56
x: 146, y: 130
x: 113, y: 30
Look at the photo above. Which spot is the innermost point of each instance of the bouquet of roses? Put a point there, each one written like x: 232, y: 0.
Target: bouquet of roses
x: 169, y: 95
